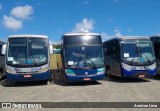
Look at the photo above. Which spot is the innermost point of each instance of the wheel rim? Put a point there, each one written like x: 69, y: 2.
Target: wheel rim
x: 108, y: 71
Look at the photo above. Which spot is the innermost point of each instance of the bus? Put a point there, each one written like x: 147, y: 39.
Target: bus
x: 156, y: 43
x: 129, y: 56
x: 56, y: 51
x: 82, y: 57
x: 27, y: 58
x: 2, y: 61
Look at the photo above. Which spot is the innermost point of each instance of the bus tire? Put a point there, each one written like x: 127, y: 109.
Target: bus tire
x: 1, y: 72
x: 108, y: 72
x: 52, y: 77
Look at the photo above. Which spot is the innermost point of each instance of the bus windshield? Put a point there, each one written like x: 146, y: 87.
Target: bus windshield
x: 84, y: 56
x: 137, y: 52
x: 27, y: 51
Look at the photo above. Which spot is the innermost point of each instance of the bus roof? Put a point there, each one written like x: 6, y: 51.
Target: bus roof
x: 27, y: 35
x: 80, y: 34
x: 128, y: 37
x: 132, y: 37
x: 81, y: 39
x: 158, y: 35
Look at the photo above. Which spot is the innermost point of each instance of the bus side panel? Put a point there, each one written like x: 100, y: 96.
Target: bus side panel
x: 2, y: 64
x: 158, y: 66
x: 116, y: 68
x: 116, y: 65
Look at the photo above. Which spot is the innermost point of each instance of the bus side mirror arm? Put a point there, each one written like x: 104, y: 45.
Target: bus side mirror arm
x: 3, y: 50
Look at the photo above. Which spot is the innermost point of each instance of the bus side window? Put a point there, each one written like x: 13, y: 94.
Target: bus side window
x: 0, y: 49
x: 114, y: 54
x: 106, y: 51
x: 157, y: 51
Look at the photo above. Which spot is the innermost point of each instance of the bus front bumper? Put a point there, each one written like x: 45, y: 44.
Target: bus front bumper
x: 138, y: 74
x: 69, y: 78
x: 28, y: 77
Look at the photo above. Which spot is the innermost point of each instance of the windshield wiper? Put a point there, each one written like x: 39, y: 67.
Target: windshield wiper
x: 94, y: 66
x: 149, y: 61
x: 132, y: 60
x: 78, y: 63
x: 35, y: 63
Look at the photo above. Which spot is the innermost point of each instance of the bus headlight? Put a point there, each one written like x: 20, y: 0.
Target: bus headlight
x: 43, y: 70
x: 69, y: 72
x: 152, y: 67
x: 10, y: 71
x: 126, y: 67
x: 101, y: 70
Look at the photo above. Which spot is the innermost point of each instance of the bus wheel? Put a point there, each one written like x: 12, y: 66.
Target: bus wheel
x: 108, y: 72
x: 1, y: 72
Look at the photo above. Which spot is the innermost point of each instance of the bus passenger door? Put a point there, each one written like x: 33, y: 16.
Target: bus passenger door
x: 157, y: 55
x: 116, y: 67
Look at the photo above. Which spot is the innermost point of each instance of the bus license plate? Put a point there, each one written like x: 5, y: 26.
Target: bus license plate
x: 86, y: 79
x: 27, y: 76
x: 140, y: 68
x: 141, y: 76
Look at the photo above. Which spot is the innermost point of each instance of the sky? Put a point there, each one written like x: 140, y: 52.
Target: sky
x: 56, y: 17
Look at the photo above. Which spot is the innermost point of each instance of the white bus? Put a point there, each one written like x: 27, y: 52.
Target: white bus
x: 27, y: 58
x: 129, y: 56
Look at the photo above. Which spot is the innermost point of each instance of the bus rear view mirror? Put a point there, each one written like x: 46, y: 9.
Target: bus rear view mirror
x: 51, y: 49
x: 3, y: 50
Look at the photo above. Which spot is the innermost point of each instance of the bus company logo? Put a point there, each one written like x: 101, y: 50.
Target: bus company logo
x: 6, y: 105
x: 86, y: 73
x: 36, y: 69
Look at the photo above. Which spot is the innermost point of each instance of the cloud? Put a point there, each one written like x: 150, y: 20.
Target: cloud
x: 22, y: 12
x: 130, y: 30
x: 105, y: 36
x: 38, y: 4
x: 0, y: 7
x: 84, y: 25
x: 53, y: 42
x: 117, y: 33
x: 85, y: 2
x: 17, y: 16
x: 12, y: 23
x: 109, y: 20
x: 116, y: 0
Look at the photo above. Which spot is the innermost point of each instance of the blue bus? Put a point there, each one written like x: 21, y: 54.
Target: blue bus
x: 56, y: 51
x: 156, y: 43
x: 27, y: 58
x: 82, y: 57
x: 129, y: 57
x: 2, y: 61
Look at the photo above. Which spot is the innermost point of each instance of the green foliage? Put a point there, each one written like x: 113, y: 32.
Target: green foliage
x: 58, y: 46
